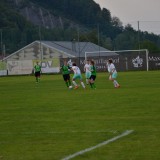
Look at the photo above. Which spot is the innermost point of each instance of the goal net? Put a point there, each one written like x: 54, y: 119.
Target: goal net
x: 123, y: 59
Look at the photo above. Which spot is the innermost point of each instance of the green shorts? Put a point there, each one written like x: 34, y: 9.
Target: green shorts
x: 77, y: 76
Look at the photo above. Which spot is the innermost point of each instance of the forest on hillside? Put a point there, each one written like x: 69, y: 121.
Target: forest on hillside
x: 81, y: 20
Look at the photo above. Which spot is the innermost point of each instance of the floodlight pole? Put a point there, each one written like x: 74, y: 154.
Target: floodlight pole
x: 139, y: 37
x: 98, y: 39
x: 41, y: 52
x: 1, y: 43
x: 4, y: 50
x: 78, y: 44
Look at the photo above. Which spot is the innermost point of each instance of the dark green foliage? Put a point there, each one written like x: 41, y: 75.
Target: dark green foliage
x: 17, y: 31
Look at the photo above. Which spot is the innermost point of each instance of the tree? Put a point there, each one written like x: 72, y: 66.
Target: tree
x: 152, y: 47
x: 116, y: 22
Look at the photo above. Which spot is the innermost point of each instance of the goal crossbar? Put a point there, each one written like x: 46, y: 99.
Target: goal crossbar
x: 119, y: 51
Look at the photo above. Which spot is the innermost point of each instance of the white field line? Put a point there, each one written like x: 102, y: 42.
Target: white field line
x: 58, y: 132
x: 98, y: 145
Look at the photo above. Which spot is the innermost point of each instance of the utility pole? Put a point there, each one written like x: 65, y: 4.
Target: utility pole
x: 78, y: 44
x: 1, y: 43
x: 4, y: 50
x: 98, y: 37
x: 139, y: 37
x: 40, y: 44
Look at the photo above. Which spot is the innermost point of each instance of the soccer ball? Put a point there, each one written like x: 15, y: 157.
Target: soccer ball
x: 70, y: 87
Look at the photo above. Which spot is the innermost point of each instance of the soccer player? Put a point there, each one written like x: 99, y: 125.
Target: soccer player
x: 87, y: 71
x: 112, y: 73
x: 66, y: 73
x: 37, y: 72
x: 93, y: 75
x: 77, y: 75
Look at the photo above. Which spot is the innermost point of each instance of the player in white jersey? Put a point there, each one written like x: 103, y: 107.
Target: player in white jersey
x: 77, y: 75
x: 112, y: 73
x: 87, y: 71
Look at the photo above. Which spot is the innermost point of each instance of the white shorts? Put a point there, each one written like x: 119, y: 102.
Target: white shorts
x: 114, y: 75
x: 88, y: 74
x: 77, y: 76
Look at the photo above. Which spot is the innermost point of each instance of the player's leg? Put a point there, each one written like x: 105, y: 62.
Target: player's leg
x: 90, y: 81
x: 65, y: 80
x: 74, y: 82
x: 110, y: 77
x: 36, y: 76
x: 80, y: 77
x: 93, y: 82
x: 69, y: 80
x: 87, y: 77
x: 115, y: 83
x: 94, y: 86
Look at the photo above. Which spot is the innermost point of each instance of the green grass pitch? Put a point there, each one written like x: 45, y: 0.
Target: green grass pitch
x: 49, y: 122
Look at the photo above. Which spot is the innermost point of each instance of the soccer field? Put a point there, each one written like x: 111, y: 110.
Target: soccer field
x: 49, y: 122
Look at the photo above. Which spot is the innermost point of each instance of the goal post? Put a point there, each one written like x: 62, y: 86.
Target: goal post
x: 117, y: 53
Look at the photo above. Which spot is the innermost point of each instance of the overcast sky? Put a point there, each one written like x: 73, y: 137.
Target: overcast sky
x: 131, y: 11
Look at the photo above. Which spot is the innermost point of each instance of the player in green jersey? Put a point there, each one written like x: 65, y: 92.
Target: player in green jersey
x: 93, y: 75
x: 65, y: 69
x: 37, y: 72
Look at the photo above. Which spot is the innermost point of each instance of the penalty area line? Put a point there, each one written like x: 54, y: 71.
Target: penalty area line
x: 127, y: 132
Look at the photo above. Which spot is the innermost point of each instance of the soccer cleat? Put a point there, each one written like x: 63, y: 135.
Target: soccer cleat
x: 70, y: 87
x: 76, y: 87
x: 118, y: 86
